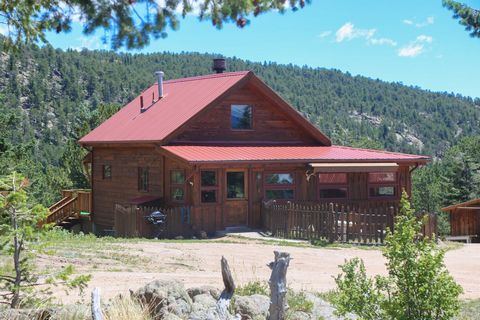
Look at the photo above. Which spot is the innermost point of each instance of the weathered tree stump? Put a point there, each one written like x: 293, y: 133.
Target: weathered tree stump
x: 278, y: 286
x: 224, y: 302
x: 96, y: 308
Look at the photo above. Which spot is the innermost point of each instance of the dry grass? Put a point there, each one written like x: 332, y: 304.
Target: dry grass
x: 126, y: 308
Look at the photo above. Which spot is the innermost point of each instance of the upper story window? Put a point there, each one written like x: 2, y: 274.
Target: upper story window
x: 241, y: 117
x: 382, y: 184
x: 143, y: 179
x: 107, y: 171
x: 332, y: 186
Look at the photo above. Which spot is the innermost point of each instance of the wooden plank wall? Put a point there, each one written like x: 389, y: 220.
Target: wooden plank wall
x: 123, y: 184
x: 269, y: 123
x: 465, y: 222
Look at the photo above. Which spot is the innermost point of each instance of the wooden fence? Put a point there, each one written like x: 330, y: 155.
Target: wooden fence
x: 130, y: 222
x: 333, y: 222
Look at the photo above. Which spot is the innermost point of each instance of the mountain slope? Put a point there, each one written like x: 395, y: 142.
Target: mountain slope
x: 51, y: 92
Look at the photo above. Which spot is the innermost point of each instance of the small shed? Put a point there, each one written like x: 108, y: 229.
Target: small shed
x: 464, y: 221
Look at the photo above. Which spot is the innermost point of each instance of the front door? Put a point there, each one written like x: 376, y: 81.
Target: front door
x: 236, y: 197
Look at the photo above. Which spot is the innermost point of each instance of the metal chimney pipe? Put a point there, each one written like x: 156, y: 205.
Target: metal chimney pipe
x: 159, y: 75
x: 141, y: 104
x: 219, y: 65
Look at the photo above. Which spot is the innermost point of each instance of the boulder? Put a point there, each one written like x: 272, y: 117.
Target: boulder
x: 300, y: 315
x: 253, y: 307
x: 214, y: 292
x: 206, y: 300
x: 165, y: 296
x: 324, y: 310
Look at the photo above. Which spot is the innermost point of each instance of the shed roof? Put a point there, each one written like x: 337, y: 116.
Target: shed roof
x: 183, y: 99
x: 205, y: 154
x: 456, y: 206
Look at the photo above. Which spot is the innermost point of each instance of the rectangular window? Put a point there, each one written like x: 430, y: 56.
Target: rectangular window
x: 143, y: 179
x: 107, y: 171
x: 332, y: 186
x: 177, y: 185
x: 388, y: 191
x: 333, y: 192
x: 208, y: 186
x: 382, y: 184
x: 241, y: 117
x: 279, y: 186
x: 236, y: 185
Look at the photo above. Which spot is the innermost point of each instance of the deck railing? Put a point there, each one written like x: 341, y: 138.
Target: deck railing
x: 72, y: 204
x: 353, y: 222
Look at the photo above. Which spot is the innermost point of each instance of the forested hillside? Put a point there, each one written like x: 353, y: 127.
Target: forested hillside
x: 48, y: 98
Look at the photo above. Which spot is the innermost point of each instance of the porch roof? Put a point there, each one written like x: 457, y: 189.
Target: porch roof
x: 297, y: 154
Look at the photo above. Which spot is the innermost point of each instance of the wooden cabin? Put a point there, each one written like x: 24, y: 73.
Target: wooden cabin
x: 223, y: 143
x: 464, y: 221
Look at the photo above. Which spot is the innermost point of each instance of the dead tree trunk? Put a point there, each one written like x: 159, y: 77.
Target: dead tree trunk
x: 278, y: 286
x: 96, y: 308
x: 224, y: 301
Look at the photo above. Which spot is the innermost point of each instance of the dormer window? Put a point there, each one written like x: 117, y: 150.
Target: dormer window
x: 241, y: 117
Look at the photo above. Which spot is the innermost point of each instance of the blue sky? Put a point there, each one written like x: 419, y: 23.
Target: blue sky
x: 415, y: 42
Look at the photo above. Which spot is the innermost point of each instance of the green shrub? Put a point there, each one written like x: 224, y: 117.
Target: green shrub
x: 297, y: 301
x: 253, y: 287
x: 418, y: 286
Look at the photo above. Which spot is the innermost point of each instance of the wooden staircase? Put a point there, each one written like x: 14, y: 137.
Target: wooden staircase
x: 67, y: 212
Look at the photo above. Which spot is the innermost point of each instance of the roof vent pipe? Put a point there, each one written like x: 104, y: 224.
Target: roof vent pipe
x: 159, y: 75
x: 219, y: 65
x: 141, y: 104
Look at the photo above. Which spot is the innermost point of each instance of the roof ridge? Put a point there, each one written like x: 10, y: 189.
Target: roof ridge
x: 381, y: 151
x: 208, y: 76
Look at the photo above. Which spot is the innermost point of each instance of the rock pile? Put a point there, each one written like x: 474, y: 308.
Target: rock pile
x: 169, y: 300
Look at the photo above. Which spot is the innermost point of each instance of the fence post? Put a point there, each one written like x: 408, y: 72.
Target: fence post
x: 390, y: 218
x: 331, y: 213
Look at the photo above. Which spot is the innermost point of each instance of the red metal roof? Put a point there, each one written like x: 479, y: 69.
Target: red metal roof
x: 199, y: 154
x: 183, y: 98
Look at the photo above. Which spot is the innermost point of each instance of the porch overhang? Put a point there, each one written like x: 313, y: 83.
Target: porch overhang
x: 200, y: 154
x: 331, y: 167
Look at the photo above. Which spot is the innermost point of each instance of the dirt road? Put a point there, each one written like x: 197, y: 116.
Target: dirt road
x: 311, y: 268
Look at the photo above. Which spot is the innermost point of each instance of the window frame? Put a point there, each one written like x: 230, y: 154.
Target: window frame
x: 394, y: 184
x: 331, y: 185
x: 251, y: 116
x: 104, y: 166
x: 142, y: 186
x: 178, y: 185
x: 245, y: 184
x: 270, y: 186
x: 209, y: 188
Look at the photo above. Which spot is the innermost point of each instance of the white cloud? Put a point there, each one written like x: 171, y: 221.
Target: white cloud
x: 91, y: 43
x: 349, y: 32
x: 411, y: 51
x: 416, y: 47
x: 429, y: 21
x: 424, y: 38
x: 325, y: 34
x: 383, y: 41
